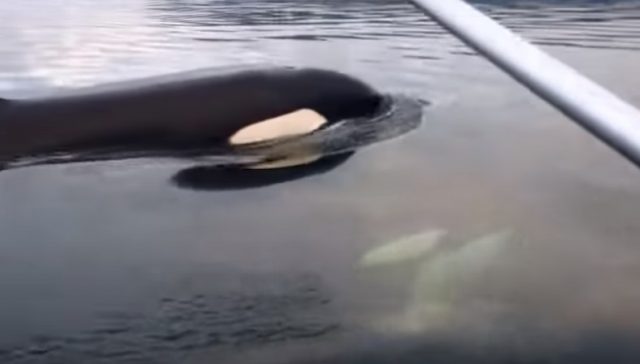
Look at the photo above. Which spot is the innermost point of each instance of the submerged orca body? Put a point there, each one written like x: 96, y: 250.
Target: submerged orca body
x: 188, y: 111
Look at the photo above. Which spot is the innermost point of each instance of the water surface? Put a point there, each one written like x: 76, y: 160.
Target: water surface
x: 112, y: 262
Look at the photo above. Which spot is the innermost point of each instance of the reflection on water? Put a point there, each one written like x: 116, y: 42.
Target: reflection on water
x: 81, y: 240
x: 82, y: 43
x: 229, y: 178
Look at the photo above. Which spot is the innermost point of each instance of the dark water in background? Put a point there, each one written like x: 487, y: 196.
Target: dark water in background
x: 111, y: 262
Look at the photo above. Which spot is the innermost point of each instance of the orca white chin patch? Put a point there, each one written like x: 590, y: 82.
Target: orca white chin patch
x: 297, y: 123
x: 286, y: 163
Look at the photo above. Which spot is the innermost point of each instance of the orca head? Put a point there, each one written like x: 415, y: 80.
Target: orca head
x: 315, y: 99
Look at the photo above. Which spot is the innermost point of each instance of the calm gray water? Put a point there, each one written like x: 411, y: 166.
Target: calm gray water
x: 113, y: 263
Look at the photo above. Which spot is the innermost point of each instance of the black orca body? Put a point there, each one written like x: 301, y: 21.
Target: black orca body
x: 180, y: 112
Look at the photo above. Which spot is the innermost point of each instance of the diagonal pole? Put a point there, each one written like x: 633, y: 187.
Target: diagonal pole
x: 604, y: 114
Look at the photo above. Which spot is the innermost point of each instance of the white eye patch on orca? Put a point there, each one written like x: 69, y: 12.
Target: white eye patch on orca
x: 296, y: 123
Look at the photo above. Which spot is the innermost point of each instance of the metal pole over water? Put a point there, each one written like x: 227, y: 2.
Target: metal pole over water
x: 604, y: 114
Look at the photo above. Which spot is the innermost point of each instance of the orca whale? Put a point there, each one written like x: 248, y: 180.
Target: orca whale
x: 182, y: 112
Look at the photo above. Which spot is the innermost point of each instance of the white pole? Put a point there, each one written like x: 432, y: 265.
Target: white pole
x: 598, y: 110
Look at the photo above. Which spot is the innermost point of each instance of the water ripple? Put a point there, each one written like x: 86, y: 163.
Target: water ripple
x: 77, y: 43
x: 266, y: 309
